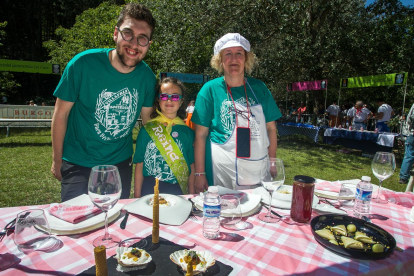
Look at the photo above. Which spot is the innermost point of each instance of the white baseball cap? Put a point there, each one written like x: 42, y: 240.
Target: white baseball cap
x: 231, y: 40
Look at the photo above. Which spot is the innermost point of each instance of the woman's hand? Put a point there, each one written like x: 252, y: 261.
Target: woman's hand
x: 201, y: 184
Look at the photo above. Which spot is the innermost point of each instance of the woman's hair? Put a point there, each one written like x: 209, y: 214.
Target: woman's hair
x: 181, y: 111
x: 251, y: 61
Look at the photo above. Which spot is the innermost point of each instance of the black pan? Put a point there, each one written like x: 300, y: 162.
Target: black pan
x: 370, y: 229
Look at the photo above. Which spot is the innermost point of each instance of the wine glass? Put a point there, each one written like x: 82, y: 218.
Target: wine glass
x: 104, y: 189
x: 272, y: 179
x: 383, y: 166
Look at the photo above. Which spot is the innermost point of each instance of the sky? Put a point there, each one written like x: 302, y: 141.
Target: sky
x: 404, y: 2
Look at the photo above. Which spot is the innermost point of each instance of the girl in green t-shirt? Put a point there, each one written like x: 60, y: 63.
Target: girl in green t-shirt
x: 164, y: 147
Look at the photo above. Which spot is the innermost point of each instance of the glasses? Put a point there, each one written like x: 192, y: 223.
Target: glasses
x: 166, y: 97
x: 128, y: 35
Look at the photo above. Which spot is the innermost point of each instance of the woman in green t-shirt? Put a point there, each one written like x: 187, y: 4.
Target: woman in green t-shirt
x: 164, y: 147
x: 235, y: 121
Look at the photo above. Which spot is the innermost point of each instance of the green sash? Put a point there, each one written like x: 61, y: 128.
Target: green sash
x: 171, y: 153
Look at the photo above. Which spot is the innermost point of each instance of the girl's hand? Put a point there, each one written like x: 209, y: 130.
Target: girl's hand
x: 201, y: 184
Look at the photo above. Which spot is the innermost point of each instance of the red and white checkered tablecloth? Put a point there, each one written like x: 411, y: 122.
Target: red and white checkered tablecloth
x: 261, y: 249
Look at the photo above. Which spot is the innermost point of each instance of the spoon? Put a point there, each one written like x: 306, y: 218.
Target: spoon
x: 9, y: 226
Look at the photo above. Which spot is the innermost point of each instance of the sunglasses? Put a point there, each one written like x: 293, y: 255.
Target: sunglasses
x: 166, y: 97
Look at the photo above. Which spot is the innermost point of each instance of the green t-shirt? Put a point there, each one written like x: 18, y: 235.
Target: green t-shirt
x: 154, y: 163
x: 214, y: 106
x: 107, y: 104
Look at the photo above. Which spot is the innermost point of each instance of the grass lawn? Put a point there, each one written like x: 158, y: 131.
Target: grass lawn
x: 25, y: 160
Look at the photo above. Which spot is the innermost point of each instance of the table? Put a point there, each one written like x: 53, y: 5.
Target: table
x: 366, y: 141
x: 262, y: 249
x: 309, y: 131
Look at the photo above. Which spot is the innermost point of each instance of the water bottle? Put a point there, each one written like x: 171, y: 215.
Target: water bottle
x: 363, y: 197
x: 211, y: 213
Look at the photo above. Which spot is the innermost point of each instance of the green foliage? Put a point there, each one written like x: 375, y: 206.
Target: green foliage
x: 295, y: 40
x: 93, y: 29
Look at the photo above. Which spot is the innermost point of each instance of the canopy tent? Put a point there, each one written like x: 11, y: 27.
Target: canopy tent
x: 308, y: 86
x: 374, y: 81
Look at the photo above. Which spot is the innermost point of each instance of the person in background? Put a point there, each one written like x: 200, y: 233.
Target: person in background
x: 4, y: 100
x: 384, y: 114
x: 166, y: 129
x: 408, y: 161
x: 32, y: 103
x: 359, y: 116
x: 189, y: 110
x: 343, y: 115
x: 99, y: 99
x: 301, y: 110
x: 333, y: 111
x: 230, y: 106
x: 292, y: 109
x: 43, y: 103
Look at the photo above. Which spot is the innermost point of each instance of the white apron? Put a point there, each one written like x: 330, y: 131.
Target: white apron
x: 240, y: 173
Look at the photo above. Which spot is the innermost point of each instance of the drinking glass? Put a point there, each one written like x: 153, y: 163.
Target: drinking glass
x: 32, y: 230
x: 346, y: 195
x: 383, y: 166
x: 231, y: 215
x: 104, y: 189
x: 272, y: 179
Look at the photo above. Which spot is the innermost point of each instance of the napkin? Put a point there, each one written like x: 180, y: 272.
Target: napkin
x: 328, y: 186
x: 323, y: 208
x: 404, y: 199
x: 73, y: 213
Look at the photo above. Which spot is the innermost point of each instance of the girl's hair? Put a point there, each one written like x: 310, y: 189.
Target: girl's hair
x: 181, y: 111
x: 250, y: 62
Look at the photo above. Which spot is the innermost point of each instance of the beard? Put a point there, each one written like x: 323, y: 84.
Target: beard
x: 127, y: 61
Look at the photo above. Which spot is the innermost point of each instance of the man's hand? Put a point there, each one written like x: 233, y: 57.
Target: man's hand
x: 55, y: 169
x: 201, y: 184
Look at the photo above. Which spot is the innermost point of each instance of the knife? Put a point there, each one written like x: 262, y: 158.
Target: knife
x: 124, y: 221
x: 273, y: 212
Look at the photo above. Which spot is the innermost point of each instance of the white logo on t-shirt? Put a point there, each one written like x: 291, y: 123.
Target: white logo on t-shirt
x: 115, y: 113
x: 155, y: 164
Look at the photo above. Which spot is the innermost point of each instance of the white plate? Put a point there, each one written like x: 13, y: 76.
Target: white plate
x: 334, y: 195
x: 282, y: 204
x: 173, y: 215
x: 61, y: 227
x: 248, y: 205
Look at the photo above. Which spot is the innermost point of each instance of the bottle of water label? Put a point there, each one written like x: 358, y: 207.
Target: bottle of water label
x: 363, y: 195
x: 211, y: 211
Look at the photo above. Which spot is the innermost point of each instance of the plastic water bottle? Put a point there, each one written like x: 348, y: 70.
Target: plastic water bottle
x: 211, y: 213
x: 363, y: 197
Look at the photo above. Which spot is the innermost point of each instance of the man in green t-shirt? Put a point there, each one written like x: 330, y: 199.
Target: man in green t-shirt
x: 99, y: 99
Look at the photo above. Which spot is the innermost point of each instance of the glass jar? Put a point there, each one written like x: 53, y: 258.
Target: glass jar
x: 302, y: 198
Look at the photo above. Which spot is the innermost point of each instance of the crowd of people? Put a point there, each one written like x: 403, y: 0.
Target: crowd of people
x: 357, y: 116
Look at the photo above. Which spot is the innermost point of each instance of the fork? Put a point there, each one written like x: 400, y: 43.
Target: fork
x: 194, y: 211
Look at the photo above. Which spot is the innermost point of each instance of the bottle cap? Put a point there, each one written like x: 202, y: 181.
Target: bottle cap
x: 213, y: 189
x: 304, y: 179
x: 366, y: 178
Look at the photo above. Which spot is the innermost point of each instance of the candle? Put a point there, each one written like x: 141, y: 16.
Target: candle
x: 100, y: 261
x: 156, y: 213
